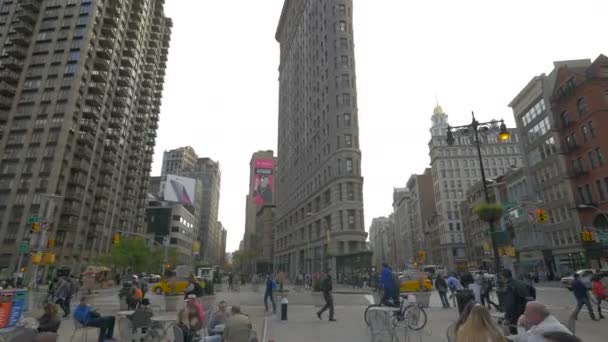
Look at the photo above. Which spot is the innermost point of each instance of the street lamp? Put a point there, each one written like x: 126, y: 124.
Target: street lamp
x: 476, y: 128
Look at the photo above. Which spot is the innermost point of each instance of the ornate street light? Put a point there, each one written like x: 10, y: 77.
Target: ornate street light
x: 477, y: 128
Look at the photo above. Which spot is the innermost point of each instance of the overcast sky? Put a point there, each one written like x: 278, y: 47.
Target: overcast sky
x: 221, y: 86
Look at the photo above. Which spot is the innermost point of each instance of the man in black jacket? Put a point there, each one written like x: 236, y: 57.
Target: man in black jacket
x: 442, y: 288
x: 515, y: 298
x: 327, y: 287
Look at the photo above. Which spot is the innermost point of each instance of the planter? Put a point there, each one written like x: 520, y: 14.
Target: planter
x: 171, y: 302
x: 317, y: 299
x: 207, y: 301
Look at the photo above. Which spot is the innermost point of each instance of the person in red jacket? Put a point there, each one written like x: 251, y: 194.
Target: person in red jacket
x: 598, y: 292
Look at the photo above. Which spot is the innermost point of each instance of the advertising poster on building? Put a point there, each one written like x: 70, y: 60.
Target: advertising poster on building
x: 263, y: 181
x: 179, y: 189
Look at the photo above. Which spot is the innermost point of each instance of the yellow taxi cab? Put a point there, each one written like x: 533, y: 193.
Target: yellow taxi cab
x: 181, y: 284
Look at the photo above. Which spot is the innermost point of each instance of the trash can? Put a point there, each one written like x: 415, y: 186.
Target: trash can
x: 463, y: 297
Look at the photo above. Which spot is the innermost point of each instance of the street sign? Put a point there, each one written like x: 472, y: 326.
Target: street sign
x: 33, y: 219
x: 23, y: 247
x: 44, y: 224
x: 166, y: 241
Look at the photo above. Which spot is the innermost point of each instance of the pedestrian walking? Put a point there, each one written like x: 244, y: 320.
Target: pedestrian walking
x: 486, y: 291
x: 387, y: 283
x: 453, y: 285
x: 326, y: 287
x: 63, y: 291
x: 582, y: 297
x: 271, y: 286
x: 442, y: 289
x: 599, y: 292
x: 230, y: 281
x: 515, y: 298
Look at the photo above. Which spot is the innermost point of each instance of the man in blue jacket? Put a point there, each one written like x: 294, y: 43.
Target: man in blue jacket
x: 582, y: 297
x: 268, y: 293
x: 89, y: 317
x: 387, y: 284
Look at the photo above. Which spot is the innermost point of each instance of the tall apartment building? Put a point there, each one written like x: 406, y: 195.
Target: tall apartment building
x: 222, y: 249
x: 421, y: 208
x: 207, y: 172
x: 80, y: 85
x: 260, y: 209
x: 454, y: 169
x: 319, y: 199
x: 580, y: 107
x: 546, y: 169
x: 401, y: 219
x: 379, y: 240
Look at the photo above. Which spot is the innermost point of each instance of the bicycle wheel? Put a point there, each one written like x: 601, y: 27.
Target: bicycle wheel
x: 366, y: 310
x: 415, y: 317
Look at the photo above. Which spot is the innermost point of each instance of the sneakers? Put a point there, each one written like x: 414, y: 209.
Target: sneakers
x: 319, y: 315
x: 332, y: 320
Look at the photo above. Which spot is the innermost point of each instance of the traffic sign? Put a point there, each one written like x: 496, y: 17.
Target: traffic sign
x: 44, y: 224
x: 33, y: 219
x: 23, y: 247
x: 165, y: 241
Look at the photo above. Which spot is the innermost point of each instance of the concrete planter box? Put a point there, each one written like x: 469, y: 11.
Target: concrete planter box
x: 172, y: 302
x: 317, y: 299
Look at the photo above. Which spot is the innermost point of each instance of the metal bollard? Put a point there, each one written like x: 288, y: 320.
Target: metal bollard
x: 284, y: 303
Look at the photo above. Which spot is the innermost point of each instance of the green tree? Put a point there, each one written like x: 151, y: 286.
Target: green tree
x: 135, y: 254
x: 488, y: 212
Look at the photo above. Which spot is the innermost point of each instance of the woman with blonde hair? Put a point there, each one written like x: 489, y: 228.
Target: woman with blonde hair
x: 479, y: 327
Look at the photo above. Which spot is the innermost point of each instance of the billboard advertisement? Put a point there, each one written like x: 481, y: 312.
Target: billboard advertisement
x: 263, y: 181
x: 179, y: 189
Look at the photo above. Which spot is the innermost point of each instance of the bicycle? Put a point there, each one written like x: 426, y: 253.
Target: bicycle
x: 412, y: 314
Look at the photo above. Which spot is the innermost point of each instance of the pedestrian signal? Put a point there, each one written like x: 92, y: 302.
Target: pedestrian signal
x: 587, y: 236
x: 35, y: 227
x: 116, y: 239
x: 50, y: 243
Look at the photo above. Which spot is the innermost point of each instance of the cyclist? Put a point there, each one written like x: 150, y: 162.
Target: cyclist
x: 387, y: 284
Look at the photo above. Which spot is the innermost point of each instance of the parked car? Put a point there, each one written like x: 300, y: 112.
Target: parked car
x: 586, y: 274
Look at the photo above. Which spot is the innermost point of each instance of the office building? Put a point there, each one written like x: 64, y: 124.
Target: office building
x: 421, y: 208
x: 184, y: 162
x: 546, y: 169
x: 580, y: 107
x: 319, y: 213
x: 379, y: 240
x: 454, y: 169
x: 175, y: 221
x: 81, y: 85
x: 401, y: 220
x: 222, y: 250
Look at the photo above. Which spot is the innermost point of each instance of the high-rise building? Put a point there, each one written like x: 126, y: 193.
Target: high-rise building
x: 81, y: 85
x: 175, y: 221
x: 421, y: 208
x: 179, y: 160
x: 260, y: 210
x: 403, y: 246
x: 207, y: 172
x: 379, y: 240
x: 454, y: 169
x: 222, y: 248
x: 546, y: 169
x: 319, y: 199
x: 580, y: 108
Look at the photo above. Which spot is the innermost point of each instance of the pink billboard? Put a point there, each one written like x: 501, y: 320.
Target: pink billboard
x: 263, y: 181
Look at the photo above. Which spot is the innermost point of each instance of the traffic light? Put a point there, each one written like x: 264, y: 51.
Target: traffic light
x: 116, y: 239
x: 35, y: 227
x: 421, y: 255
x: 587, y: 236
x: 541, y: 216
x: 50, y: 243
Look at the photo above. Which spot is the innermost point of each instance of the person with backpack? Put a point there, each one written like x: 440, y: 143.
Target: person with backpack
x: 271, y: 286
x: 327, y: 287
x: 442, y: 289
x: 89, y: 317
x: 515, y: 298
x: 63, y: 291
x: 193, y: 288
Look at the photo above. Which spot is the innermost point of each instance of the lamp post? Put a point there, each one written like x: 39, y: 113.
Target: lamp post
x: 476, y: 128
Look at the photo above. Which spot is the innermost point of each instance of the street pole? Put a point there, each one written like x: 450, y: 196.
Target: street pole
x: 474, y: 126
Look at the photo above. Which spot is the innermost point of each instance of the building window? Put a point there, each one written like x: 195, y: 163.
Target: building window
x: 349, y: 165
x: 350, y: 191
x: 600, y: 157
x: 348, y: 140
x: 344, y: 62
x: 342, y: 26
x: 351, y: 219
x: 347, y: 120
x: 600, y: 190
x: 342, y: 9
x: 565, y: 116
x: 586, y: 133
x: 592, y: 161
x: 591, y: 130
x: 340, y: 192
x: 343, y: 43
x: 581, y: 106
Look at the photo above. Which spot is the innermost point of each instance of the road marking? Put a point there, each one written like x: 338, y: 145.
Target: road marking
x: 264, y: 330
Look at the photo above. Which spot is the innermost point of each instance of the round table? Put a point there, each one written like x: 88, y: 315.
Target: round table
x: 125, y: 313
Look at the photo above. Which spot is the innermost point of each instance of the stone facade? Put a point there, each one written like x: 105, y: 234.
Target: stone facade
x: 319, y: 211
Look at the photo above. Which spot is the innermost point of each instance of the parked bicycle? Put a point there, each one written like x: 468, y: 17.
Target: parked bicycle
x: 408, y: 314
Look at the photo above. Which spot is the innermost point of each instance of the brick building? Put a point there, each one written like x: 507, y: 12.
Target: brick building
x: 580, y: 104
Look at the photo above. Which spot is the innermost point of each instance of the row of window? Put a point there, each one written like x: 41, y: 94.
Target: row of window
x: 595, y: 157
x: 533, y: 112
x: 586, y: 195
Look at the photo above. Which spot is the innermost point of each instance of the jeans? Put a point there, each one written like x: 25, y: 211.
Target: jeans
x: 444, y: 299
x: 579, y: 305
x: 64, y: 304
x: 266, y: 296
x: 329, y: 304
x: 599, y: 305
x: 105, y: 325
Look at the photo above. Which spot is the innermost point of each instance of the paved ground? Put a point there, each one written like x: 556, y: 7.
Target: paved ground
x: 304, y: 326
